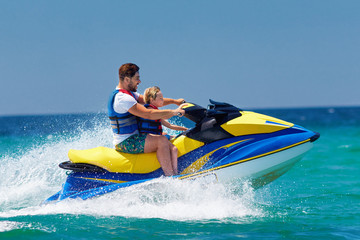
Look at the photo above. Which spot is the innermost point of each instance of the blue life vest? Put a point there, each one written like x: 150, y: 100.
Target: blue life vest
x: 121, y: 123
x: 150, y: 126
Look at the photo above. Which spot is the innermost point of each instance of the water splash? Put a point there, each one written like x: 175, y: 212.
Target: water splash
x: 29, y: 177
x: 32, y: 176
x: 164, y: 198
x: 7, y: 226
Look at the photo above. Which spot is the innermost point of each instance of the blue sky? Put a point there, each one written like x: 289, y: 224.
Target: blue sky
x: 63, y: 56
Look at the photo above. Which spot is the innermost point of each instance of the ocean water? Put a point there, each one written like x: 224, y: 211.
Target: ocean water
x: 319, y: 198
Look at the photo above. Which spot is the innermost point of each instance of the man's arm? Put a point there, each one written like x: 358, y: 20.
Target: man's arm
x: 154, y: 114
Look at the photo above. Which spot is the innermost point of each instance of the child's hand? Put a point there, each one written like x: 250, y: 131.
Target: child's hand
x: 179, y: 101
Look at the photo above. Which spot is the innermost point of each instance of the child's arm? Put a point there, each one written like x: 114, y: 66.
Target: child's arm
x: 178, y: 102
x: 173, y: 127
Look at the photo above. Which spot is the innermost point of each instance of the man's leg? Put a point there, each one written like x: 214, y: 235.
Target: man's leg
x: 160, y: 145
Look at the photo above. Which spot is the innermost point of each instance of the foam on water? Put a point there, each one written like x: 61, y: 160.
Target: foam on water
x: 6, y: 226
x: 161, y: 198
x: 33, y: 176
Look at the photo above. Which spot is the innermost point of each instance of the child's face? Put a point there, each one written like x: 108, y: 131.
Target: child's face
x: 158, y: 101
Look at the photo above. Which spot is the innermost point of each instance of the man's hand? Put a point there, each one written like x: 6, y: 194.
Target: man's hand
x: 179, y: 111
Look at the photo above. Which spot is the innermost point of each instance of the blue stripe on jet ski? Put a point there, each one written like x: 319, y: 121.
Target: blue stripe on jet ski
x: 275, y: 123
x: 213, y: 168
x: 257, y: 145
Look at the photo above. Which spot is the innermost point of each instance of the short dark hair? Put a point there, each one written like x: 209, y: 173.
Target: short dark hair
x: 127, y: 70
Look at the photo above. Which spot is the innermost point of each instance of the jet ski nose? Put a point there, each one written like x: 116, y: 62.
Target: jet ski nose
x: 315, y: 137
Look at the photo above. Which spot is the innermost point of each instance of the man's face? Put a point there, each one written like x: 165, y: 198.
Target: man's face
x: 134, y: 82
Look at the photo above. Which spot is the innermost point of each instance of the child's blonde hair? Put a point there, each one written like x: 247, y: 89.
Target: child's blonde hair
x: 150, y: 93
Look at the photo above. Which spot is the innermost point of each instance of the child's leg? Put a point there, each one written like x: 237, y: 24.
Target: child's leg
x: 174, y: 157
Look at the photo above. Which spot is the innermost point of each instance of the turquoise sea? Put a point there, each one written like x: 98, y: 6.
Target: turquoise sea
x: 319, y: 198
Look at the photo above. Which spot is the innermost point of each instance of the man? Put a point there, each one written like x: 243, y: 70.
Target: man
x: 124, y: 105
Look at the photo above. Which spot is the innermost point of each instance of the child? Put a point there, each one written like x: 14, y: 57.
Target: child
x: 154, y: 99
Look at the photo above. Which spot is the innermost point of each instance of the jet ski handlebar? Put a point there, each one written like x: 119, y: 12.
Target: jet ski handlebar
x: 217, y: 110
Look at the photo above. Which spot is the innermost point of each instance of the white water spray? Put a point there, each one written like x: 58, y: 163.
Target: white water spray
x: 28, y: 179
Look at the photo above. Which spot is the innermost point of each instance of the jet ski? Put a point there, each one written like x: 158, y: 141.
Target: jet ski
x: 226, y: 143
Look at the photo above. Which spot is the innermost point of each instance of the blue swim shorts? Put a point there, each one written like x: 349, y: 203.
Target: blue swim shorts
x: 133, y: 144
